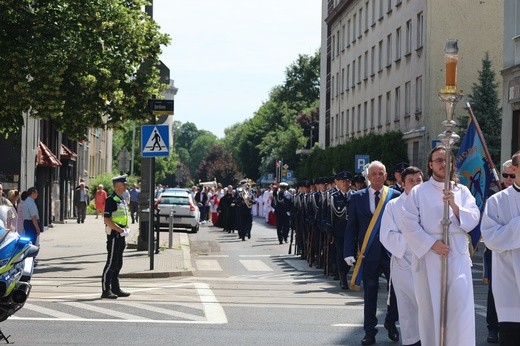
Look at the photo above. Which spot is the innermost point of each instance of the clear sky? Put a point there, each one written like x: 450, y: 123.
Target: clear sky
x: 226, y: 55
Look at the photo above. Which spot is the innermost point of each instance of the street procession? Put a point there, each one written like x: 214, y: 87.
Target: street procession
x: 292, y: 172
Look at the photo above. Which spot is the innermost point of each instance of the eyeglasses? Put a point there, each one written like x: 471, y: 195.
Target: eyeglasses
x: 512, y: 176
x: 439, y: 160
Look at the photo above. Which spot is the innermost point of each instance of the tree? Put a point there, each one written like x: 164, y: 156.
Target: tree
x: 199, y: 149
x: 486, y: 107
x: 220, y: 165
x: 79, y: 64
x: 186, y: 135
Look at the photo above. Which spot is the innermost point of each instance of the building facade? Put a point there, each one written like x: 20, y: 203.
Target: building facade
x: 511, y: 80
x: 383, y: 65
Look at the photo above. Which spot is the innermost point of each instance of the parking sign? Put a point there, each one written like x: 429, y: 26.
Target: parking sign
x: 361, y: 161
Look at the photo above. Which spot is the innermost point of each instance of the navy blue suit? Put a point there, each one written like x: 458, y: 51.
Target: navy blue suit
x: 376, y: 261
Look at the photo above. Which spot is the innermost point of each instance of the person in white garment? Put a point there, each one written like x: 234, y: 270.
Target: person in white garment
x: 401, y: 261
x: 500, y: 226
x: 422, y: 215
x: 266, y: 197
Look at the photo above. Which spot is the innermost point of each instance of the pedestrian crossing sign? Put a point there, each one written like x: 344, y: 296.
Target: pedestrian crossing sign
x: 155, y: 140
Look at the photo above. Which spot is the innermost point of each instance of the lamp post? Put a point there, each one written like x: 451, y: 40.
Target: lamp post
x: 450, y: 96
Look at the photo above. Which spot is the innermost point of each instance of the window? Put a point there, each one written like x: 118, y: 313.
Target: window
x: 337, y: 43
x: 347, y: 125
x: 348, y: 77
x: 332, y: 87
x: 398, y: 44
x: 337, y: 127
x: 380, y: 57
x: 359, y: 69
x: 342, y: 124
x: 354, y: 28
x: 389, y: 6
x: 372, y: 112
x: 343, y: 37
x: 373, y: 12
x: 388, y: 106
x: 389, y: 50
x: 358, y: 118
x: 372, y: 60
x: 365, y: 117
x: 407, y: 100
x: 360, y: 22
x: 342, y: 80
x: 332, y: 132
x: 379, y: 109
x: 333, y: 46
x: 420, y: 24
x: 337, y: 84
x: 408, y: 37
x: 398, y: 2
x: 397, y: 103
x: 366, y: 16
x: 365, y: 69
x: 381, y: 9
x: 354, y: 73
x: 418, y: 94
x: 352, y: 114
x: 348, y: 32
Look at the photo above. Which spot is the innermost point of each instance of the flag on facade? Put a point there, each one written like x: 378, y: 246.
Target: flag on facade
x: 476, y: 170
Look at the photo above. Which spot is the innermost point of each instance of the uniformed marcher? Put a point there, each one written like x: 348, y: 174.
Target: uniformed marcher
x: 338, y: 220
x: 116, y: 223
x: 244, y: 201
x: 282, y: 208
x: 397, y: 175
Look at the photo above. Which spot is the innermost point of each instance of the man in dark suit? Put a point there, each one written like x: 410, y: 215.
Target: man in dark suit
x: 364, y: 205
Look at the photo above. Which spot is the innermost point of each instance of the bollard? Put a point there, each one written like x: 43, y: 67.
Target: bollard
x: 170, y: 240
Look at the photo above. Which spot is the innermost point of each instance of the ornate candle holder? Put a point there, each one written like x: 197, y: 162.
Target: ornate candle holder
x: 450, y: 96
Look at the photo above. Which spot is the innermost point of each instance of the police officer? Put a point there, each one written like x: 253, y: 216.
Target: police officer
x: 338, y: 219
x: 397, y: 175
x: 116, y: 223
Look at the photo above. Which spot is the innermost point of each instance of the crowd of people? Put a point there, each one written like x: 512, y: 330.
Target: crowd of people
x: 391, y: 225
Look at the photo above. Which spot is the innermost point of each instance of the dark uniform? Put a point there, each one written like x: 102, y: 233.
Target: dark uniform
x: 282, y: 209
x: 116, y: 209
x: 244, y: 201
x: 338, y: 219
x: 397, y: 174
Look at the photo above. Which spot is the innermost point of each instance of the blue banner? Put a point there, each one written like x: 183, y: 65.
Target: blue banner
x: 475, y: 171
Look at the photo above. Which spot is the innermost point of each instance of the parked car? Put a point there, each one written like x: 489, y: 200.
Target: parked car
x: 186, y: 214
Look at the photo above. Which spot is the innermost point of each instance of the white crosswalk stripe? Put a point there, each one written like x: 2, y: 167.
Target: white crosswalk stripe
x: 256, y: 266
x: 208, y: 265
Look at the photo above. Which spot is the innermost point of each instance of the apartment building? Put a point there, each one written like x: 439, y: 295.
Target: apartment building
x: 511, y: 80
x: 383, y: 65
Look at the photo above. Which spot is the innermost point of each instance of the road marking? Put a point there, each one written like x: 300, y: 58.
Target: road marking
x: 256, y: 266
x: 207, y: 265
x: 212, y: 310
x: 254, y: 256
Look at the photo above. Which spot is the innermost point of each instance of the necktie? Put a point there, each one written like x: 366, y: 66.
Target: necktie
x: 376, y: 195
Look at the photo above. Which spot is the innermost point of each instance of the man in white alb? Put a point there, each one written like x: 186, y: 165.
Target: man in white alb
x: 422, y: 215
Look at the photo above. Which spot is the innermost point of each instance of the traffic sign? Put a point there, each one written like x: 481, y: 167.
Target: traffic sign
x: 155, y: 140
x: 161, y: 107
x: 361, y: 161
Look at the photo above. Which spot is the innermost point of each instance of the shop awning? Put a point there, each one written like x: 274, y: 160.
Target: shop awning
x: 46, y: 158
x: 67, y: 154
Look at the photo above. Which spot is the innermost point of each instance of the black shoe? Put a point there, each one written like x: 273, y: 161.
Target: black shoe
x: 78, y: 220
x: 122, y: 293
x: 249, y: 235
x: 492, y: 337
x: 393, y: 333
x: 285, y: 240
x: 368, y: 340
x: 243, y: 238
x: 108, y: 295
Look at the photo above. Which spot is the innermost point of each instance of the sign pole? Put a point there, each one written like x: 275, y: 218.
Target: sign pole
x: 152, y: 197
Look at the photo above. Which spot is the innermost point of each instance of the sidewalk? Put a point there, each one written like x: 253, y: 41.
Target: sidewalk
x: 73, y: 250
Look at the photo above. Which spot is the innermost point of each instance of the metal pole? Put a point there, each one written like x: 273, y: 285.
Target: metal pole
x: 448, y: 138
x: 170, y: 229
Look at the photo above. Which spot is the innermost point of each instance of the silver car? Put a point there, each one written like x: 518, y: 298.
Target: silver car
x: 186, y: 214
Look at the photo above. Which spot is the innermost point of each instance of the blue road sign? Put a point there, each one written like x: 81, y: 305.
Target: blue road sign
x: 155, y: 140
x: 361, y: 161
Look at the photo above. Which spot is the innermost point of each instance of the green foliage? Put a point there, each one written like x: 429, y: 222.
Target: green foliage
x: 122, y: 138
x: 219, y: 164
x: 79, y: 64
x: 389, y: 148
x: 105, y: 179
x: 486, y: 107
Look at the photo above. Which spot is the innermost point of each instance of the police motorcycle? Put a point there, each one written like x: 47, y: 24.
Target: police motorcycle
x: 16, y: 268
